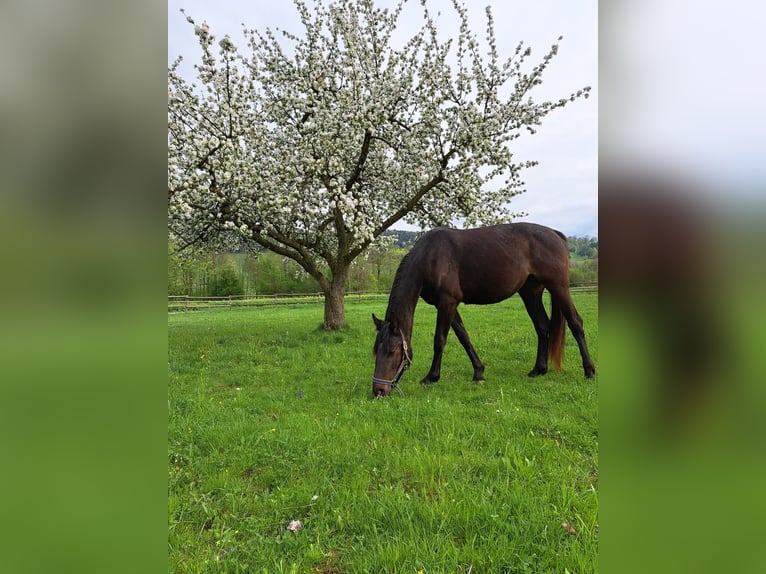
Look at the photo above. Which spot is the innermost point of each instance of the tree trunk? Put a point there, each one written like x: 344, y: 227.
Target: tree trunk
x: 334, y: 305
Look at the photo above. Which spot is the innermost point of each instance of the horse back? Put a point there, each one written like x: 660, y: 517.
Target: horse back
x: 489, y: 264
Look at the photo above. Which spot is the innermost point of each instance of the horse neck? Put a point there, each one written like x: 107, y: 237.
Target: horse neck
x: 404, y: 297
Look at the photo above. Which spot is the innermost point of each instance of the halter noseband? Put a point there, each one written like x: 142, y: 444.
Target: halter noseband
x: 403, y: 366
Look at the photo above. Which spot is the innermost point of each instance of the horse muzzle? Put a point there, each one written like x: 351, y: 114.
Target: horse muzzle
x: 382, y: 387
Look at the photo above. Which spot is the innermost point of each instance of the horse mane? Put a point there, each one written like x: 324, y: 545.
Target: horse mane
x: 398, y: 305
x: 401, y: 279
x: 401, y: 302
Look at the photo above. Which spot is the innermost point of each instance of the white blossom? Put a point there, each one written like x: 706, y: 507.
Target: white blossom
x: 315, y: 143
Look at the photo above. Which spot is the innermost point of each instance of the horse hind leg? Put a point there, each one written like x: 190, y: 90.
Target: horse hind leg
x: 532, y: 295
x: 462, y: 336
x: 562, y: 303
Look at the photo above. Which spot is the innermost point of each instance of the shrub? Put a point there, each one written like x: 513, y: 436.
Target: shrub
x: 227, y: 282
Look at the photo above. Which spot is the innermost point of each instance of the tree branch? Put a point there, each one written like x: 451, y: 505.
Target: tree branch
x: 279, y: 243
x: 407, y: 207
x: 424, y: 189
x: 361, y: 161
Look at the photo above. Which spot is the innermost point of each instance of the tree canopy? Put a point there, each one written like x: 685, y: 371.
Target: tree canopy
x: 314, y: 144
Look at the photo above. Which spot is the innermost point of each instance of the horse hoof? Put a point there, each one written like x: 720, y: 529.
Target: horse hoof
x: 590, y: 373
x: 427, y: 383
x: 479, y: 381
x: 536, y: 373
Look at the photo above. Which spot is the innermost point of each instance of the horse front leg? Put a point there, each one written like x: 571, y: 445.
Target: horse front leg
x: 462, y: 336
x: 444, y: 317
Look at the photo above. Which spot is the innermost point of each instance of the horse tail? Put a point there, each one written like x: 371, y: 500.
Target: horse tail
x: 556, y: 334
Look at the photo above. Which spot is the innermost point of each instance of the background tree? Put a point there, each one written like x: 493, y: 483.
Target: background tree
x: 227, y: 282
x: 188, y: 271
x: 313, y: 145
x: 585, y: 247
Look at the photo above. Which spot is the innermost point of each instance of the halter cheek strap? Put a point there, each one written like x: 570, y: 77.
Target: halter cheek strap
x: 403, y: 366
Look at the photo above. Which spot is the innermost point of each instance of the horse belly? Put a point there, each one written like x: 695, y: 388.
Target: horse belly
x: 487, y: 291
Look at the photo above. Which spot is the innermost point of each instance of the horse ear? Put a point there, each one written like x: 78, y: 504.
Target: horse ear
x: 378, y: 322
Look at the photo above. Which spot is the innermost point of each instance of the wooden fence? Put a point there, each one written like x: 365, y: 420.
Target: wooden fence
x: 187, y: 303
x: 180, y: 303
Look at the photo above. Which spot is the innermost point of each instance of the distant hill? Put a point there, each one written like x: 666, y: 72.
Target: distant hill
x: 583, y: 247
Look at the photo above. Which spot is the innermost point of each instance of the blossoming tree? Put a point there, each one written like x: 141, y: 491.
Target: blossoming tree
x: 313, y: 145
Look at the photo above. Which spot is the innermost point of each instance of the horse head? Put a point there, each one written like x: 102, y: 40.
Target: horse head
x: 392, y: 358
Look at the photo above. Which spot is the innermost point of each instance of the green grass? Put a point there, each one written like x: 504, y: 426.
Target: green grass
x: 267, y: 412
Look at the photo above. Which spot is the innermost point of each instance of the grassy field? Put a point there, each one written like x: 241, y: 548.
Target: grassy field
x: 271, y: 420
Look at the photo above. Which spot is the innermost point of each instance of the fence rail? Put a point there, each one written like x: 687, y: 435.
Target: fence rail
x: 188, y: 303
x: 180, y: 303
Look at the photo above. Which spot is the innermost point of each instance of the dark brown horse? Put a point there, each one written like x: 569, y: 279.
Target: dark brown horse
x: 447, y: 267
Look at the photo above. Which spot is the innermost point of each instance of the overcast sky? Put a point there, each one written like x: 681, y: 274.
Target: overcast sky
x: 685, y: 87
x: 562, y: 191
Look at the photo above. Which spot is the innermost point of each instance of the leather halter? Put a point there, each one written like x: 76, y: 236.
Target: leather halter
x: 403, y: 366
